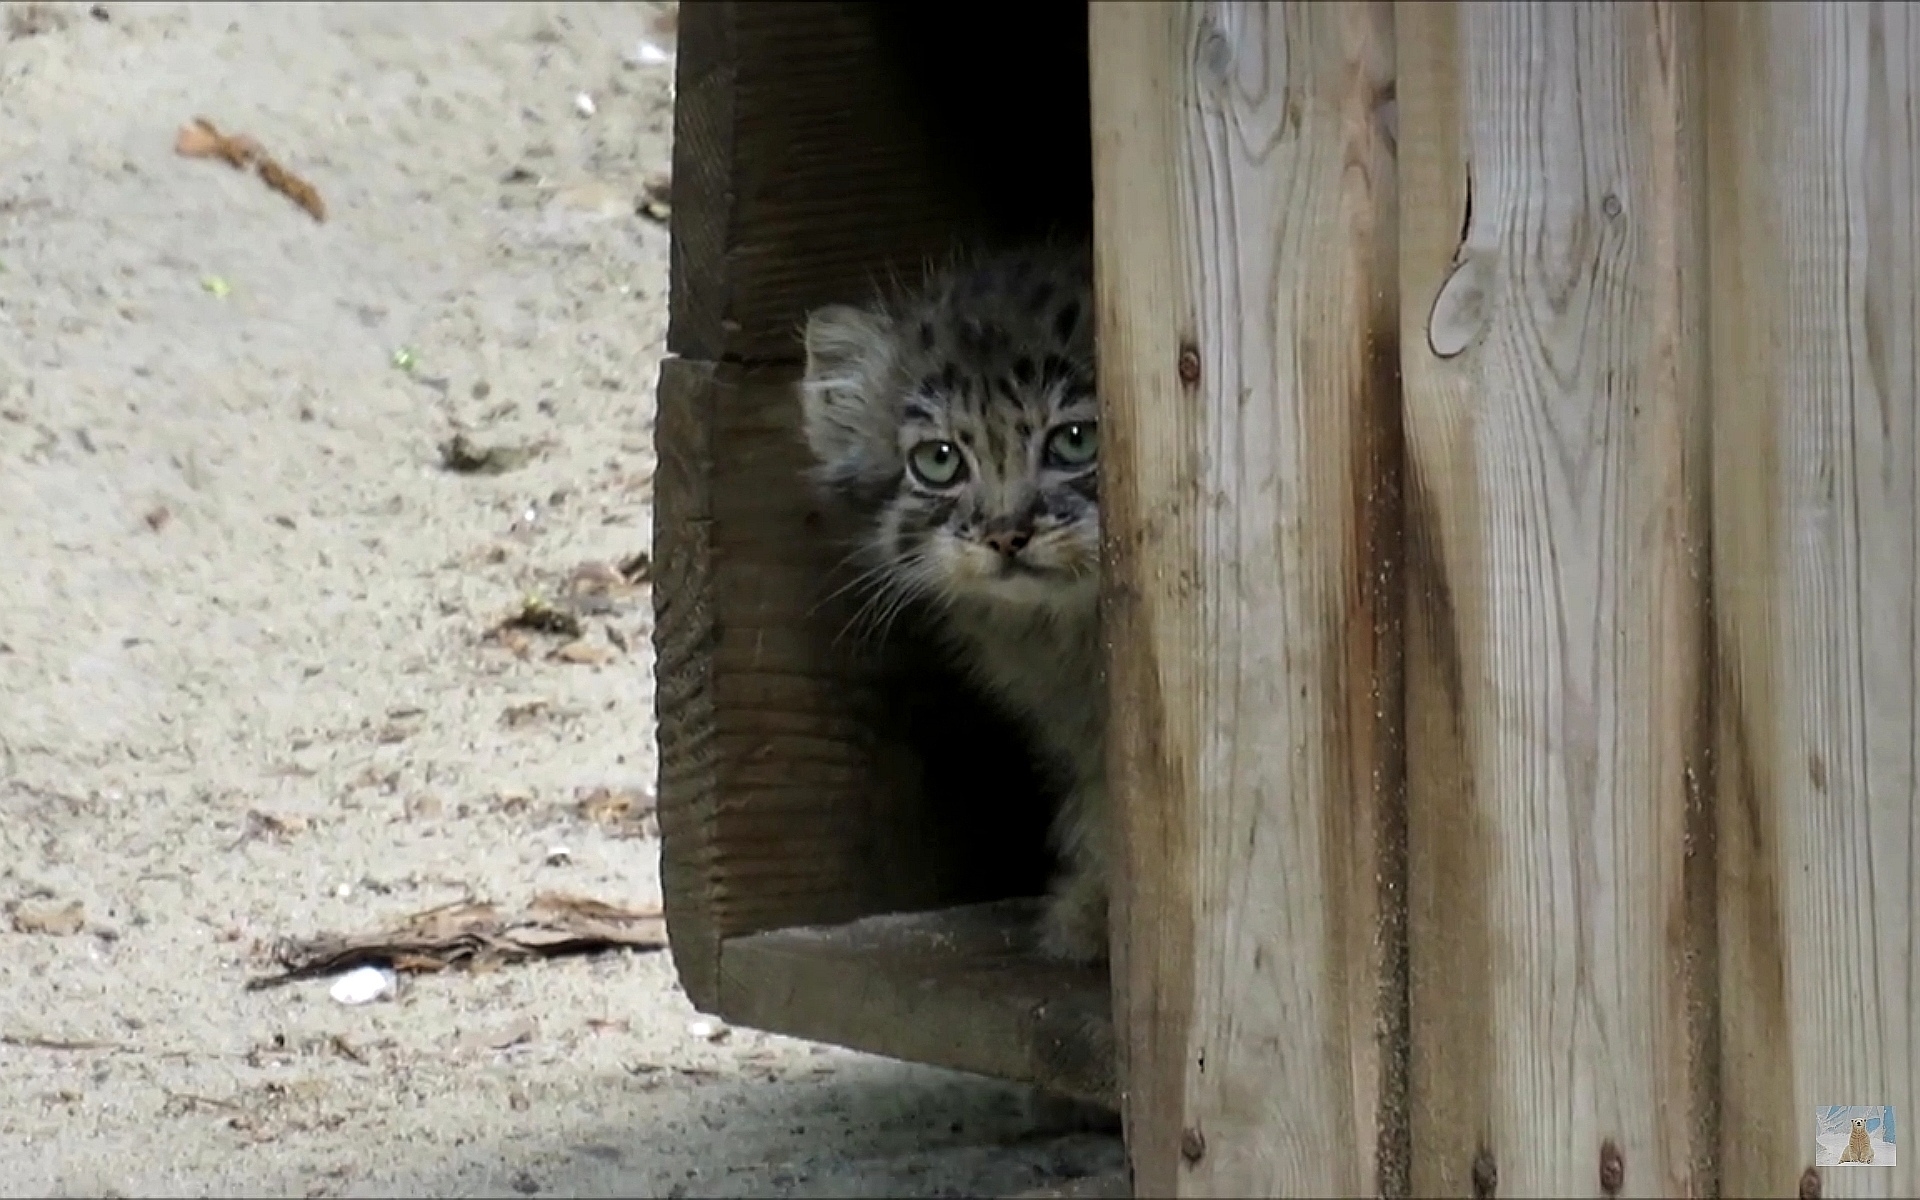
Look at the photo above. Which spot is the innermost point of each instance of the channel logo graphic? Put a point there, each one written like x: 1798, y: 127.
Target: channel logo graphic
x: 1853, y: 1135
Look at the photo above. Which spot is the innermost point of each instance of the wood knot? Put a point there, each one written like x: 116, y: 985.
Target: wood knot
x: 1486, y: 1175
x: 1613, y: 1167
x: 1462, y: 309
x: 1189, y: 364
x: 1810, y: 1184
x: 1193, y: 1144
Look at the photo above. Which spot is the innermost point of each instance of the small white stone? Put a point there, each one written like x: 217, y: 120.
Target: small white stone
x: 584, y: 103
x: 647, y: 54
x: 343, y: 891
x: 708, y: 1030
x: 363, y: 985
x: 558, y: 856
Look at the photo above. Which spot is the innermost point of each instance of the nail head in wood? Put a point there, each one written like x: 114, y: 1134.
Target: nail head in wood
x: 1486, y: 1174
x: 1193, y: 1145
x: 1189, y: 365
x: 1810, y: 1184
x: 1613, y: 1167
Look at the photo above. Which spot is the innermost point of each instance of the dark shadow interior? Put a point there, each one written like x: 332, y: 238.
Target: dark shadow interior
x: 1006, y: 104
x: 1006, y: 100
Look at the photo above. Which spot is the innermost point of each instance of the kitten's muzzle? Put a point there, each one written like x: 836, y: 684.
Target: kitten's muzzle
x: 1007, y: 542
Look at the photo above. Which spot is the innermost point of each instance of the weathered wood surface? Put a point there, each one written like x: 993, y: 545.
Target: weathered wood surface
x: 809, y: 774
x: 1552, y: 245
x: 963, y: 988
x: 1244, y: 225
x: 1815, y: 161
x: 798, y: 168
x: 739, y: 682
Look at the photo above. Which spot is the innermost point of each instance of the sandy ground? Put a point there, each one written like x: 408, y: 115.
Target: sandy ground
x: 244, y: 687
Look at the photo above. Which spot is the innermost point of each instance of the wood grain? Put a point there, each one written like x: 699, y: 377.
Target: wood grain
x: 1815, y: 160
x: 821, y: 147
x: 963, y: 988
x: 1552, y: 251
x: 1244, y: 231
x: 805, y: 778
x: 808, y: 776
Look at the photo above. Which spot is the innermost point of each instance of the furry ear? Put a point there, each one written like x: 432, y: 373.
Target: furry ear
x: 848, y: 407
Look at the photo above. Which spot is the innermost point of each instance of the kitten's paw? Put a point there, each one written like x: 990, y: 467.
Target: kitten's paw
x: 1074, y: 926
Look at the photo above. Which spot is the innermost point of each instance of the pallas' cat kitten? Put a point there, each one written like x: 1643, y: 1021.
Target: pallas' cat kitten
x: 959, y: 421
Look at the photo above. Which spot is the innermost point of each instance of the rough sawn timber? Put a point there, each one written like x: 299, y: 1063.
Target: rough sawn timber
x: 1553, y: 246
x: 1244, y: 229
x: 1815, y: 161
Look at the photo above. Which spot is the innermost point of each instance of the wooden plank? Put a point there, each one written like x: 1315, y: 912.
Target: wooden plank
x: 1244, y: 224
x: 963, y: 988
x: 1552, y: 238
x: 805, y: 778
x: 683, y: 637
x: 1815, y: 159
x: 820, y: 146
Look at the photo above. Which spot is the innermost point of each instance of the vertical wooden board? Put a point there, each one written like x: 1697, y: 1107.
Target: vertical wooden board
x: 797, y: 171
x: 683, y: 637
x: 1552, y: 242
x: 1815, y: 159
x: 780, y: 800
x: 1244, y: 237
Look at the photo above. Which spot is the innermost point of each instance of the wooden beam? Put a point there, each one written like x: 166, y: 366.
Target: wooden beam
x: 798, y: 172
x: 963, y: 988
x: 803, y: 777
x: 1815, y: 159
x: 1553, y: 240
x: 1244, y: 220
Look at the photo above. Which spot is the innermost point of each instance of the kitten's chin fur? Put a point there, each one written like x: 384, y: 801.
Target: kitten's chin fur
x: 1043, y: 661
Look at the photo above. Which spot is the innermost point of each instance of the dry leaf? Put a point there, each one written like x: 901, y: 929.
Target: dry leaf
x: 49, y: 918
x: 475, y: 935
x: 293, y: 188
x: 265, y: 824
x: 537, y: 616
x: 584, y: 653
x: 200, y: 138
x: 512, y: 1034
x: 463, y: 456
x: 611, y: 807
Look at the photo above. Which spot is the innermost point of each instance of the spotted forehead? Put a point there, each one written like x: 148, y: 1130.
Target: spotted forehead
x: 997, y: 412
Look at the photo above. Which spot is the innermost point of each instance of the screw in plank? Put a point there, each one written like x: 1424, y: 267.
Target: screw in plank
x: 1189, y: 365
x: 1193, y: 1144
x: 1486, y: 1175
x: 1809, y: 1184
x: 1613, y: 1167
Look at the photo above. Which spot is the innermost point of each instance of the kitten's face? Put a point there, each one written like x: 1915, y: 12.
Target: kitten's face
x: 997, y: 498
x: 965, y: 423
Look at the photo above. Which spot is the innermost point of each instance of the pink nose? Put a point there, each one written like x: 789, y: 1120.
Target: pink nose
x: 1008, y: 541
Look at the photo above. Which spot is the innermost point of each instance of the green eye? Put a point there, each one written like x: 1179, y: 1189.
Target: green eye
x: 937, y: 464
x: 1074, y: 445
